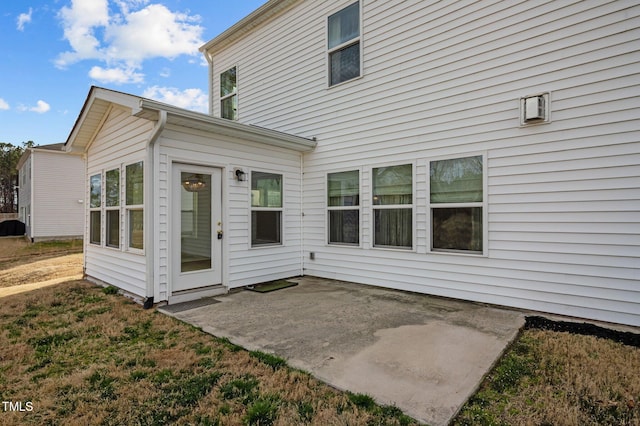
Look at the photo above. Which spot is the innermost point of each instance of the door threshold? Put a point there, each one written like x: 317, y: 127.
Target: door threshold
x: 197, y: 293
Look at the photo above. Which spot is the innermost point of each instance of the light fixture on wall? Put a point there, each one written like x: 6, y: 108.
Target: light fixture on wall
x: 194, y: 183
x: 241, y: 176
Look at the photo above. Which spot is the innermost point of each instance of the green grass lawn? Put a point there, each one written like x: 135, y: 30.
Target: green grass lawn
x: 80, y: 355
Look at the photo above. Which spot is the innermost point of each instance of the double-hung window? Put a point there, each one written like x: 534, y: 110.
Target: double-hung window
x: 393, y: 206
x: 229, y: 94
x: 266, y: 209
x: 112, y: 208
x: 344, y: 48
x: 95, y: 213
x: 456, y: 199
x: 134, y: 199
x: 343, y: 201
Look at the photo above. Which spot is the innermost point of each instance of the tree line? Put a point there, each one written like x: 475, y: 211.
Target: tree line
x: 9, y: 157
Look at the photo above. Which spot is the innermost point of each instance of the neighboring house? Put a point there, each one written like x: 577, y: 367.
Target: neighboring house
x: 487, y: 151
x: 51, y: 193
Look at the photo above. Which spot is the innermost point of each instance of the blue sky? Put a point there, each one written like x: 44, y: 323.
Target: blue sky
x: 53, y: 51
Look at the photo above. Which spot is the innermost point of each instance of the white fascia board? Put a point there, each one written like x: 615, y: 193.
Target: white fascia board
x: 228, y: 127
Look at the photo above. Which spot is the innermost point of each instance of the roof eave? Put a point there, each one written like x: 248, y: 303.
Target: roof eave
x: 264, y: 13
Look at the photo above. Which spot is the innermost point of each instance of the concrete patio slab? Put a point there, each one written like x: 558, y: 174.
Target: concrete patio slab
x: 426, y: 355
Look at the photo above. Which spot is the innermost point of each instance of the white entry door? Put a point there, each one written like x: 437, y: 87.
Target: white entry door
x: 196, y: 227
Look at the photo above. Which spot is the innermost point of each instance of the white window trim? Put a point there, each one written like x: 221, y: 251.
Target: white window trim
x: 330, y: 208
x: 234, y: 93
x: 484, y: 204
x: 280, y: 209
x: 373, y: 207
x: 354, y: 40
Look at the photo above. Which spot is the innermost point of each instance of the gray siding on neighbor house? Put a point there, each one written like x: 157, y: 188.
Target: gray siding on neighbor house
x: 121, y: 140
x: 444, y: 80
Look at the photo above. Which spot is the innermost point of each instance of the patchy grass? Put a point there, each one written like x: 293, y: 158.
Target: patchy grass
x: 549, y: 378
x: 14, y: 249
x: 83, y: 356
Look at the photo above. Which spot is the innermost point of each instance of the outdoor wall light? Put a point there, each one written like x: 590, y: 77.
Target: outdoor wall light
x: 241, y: 176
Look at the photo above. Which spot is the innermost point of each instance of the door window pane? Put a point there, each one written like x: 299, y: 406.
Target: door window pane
x: 195, y: 210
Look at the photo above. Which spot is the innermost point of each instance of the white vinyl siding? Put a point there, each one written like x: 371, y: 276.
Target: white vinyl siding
x: 52, y: 213
x: 243, y: 265
x: 444, y: 80
x: 120, y: 141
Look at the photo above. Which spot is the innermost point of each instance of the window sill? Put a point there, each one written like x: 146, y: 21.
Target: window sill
x: 465, y: 253
x: 329, y: 87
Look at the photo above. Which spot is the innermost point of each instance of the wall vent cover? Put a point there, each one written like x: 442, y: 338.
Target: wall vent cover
x: 534, y: 109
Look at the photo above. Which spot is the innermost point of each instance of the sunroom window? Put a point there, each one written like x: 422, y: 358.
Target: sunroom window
x: 343, y: 200
x: 393, y: 206
x: 134, y: 198
x: 344, y: 44
x: 95, y: 214
x: 457, y: 204
x: 229, y: 94
x: 112, y: 207
x: 266, y: 209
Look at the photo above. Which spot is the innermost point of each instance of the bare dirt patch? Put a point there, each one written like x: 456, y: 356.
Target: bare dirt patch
x: 43, y: 269
x: 23, y: 264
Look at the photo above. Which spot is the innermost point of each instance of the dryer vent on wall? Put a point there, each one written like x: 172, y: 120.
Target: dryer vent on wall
x: 534, y: 109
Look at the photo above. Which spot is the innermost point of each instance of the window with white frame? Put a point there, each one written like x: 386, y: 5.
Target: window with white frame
x: 112, y: 208
x: 344, y: 50
x: 343, y: 204
x: 229, y: 94
x: 134, y: 200
x: 456, y: 204
x: 266, y: 209
x: 95, y: 212
x: 393, y: 206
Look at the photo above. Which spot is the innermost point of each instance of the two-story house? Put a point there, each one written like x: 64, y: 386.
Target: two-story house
x: 51, y: 193
x: 487, y: 151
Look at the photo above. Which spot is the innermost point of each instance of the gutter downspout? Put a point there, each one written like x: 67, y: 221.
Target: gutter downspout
x: 151, y: 207
x: 209, y: 59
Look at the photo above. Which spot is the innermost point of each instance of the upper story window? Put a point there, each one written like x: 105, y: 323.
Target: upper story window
x: 229, y: 94
x: 344, y: 44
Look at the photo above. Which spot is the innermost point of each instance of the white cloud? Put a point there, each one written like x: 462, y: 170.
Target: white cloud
x: 116, y: 75
x: 193, y: 99
x: 124, y: 39
x: 24, y: 18
x: 41, y: 107
x: 3, y: 104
